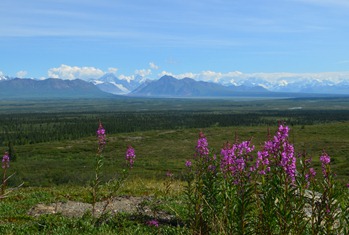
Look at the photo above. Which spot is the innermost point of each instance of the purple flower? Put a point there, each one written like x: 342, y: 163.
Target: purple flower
x: 311, y: 173
x: 202, y: 146
x: 262, y: 162
x: 169, y: 174
x: 5, y: 161
x: 244, y: 148
x: 188, y: 164
x: 153, y: 223
x: 348, y: 185
x: 325, y: 161
x: 130, y: 156
x: 283, y: 132
x: 234, y: 159
x: 280, y: 151
x: 310, y: 176
x: 288, y: 161
x: 101, y: 137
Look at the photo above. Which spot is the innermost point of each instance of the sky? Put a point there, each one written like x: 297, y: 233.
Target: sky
x: 71, y: 39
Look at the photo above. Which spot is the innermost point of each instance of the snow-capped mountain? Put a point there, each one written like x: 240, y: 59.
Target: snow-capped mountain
x: 294, y: 83
x: 3, y: 78
x: 283, y: 82
x: 309, y: 86
x: 111, y: 84
x: 321, y: 83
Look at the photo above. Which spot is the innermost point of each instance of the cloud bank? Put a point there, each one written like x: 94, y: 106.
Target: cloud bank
x: 21, y: 74
x: 74, y: 72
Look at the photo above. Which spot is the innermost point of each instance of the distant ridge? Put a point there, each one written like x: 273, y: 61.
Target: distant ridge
x: 168, y: 86
x: 49, y: 88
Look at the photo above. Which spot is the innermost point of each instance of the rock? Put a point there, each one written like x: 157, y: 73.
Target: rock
x: 126, y: 204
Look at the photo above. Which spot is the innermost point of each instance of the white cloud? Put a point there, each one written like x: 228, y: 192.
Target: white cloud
x: 178, y: 76
x: 186, y: 75
x: 21, y: 74
x: 112, y: 70
x: 143, y: 72
x: 153, y: 66
x: 127, y: 78
x: 210, y: 76
x: 69, y: 72
x: 163, y: 73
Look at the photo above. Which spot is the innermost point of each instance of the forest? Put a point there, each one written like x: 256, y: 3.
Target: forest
x: 30, y: 125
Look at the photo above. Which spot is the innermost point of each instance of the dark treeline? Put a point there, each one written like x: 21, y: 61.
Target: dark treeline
x: 30, y: 128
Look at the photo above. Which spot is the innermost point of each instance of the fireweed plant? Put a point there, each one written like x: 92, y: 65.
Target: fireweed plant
x: 5, y: 164
x: 243, y: 191
x: 112, y: 186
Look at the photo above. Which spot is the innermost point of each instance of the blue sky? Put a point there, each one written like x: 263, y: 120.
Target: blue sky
x: 87, y: 38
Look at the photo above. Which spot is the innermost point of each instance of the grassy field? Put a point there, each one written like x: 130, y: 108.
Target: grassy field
x: 61, y: 170
x: 71, y: 161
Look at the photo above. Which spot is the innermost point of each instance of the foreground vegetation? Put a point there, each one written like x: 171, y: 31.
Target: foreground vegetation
x: 190, y: 183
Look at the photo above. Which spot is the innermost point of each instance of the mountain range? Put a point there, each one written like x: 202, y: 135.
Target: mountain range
x: 49, y: 88
x: 141, y: 86
x: 167, y: 86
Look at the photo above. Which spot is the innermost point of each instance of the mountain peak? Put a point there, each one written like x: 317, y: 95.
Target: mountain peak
x: 167, y: 78
x: 108, y: 77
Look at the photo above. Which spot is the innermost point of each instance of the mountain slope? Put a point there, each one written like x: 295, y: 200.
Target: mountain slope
x: 49, y: 88
x: 168, y: 86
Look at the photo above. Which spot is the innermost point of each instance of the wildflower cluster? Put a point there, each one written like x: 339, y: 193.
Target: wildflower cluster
x: 202, y: 146
x: 279, y: 151
x: 235, y: 158
x: 130, y: 156
x: 325, y: 161
x: 260, y: 192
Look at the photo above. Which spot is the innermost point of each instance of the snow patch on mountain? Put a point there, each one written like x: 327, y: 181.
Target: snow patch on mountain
x: 97, y: 82
x: 121, y: 87
x: 3, y: 77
